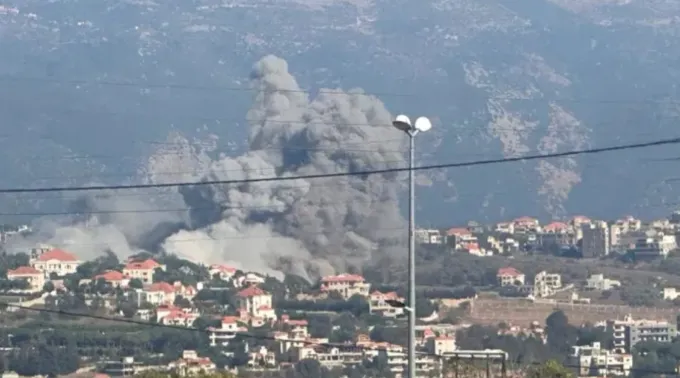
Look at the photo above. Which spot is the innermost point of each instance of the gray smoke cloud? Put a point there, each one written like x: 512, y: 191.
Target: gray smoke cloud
x: 306, y: 227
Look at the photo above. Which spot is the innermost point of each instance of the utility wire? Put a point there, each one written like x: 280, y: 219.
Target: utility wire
x: 249, y: 335
x: 458, y: 195
x: 218, y: 88
x: 662, y: 142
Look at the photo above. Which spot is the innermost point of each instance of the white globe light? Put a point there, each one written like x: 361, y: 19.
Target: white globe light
x: 402, y: 122
x: 423, y: 124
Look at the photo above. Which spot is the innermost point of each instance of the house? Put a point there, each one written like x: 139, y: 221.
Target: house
x: 428, y: 236
x: 160, y: 293
x: 191, y: 365
x: 510, y: 277
x: 175, y: 316
x: 599, y: 282
x: 142, y: 270
x: 228, y: 330
x: 34, y: 277
x: 113, y: 277
x: 378, y: 305
x: 457, y: 237
x: 223, y: 272
x: 250, y: 279
x: 595, y: 360
x: 526, y: 224
x: 56, y: 261
x: 296, y: 328
x: 347, y: 285
x: 261, y: 358
x: 256, y: 303
x: 505, y: 227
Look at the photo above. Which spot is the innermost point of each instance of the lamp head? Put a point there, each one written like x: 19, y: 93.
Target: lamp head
x: 423, y: 124
x: 402, y: 122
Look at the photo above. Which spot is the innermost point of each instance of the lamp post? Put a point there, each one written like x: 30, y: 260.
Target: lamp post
x: 422, y: 124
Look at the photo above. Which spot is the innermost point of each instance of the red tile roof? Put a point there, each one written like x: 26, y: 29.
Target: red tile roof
x: 142, y: 265
x: 229, y: 320
x: 251, y: 291
x: 458, y: 232
x: 223, y: 268
x: 57, y: 254
x: 23, y: 271
x: 161, y: 286
x: 111, y: 275
x: 343, y: 278
x: 509, y: 271
x: 555, y: 226
x: 390, y: 295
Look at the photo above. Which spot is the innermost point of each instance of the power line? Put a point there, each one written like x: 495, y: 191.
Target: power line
x: 656, y: 143
x: 249, y: 335
x: 457, y: 195
x: 218, y: 88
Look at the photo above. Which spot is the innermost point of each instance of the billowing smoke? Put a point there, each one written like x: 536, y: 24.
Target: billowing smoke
x: 306, y: 227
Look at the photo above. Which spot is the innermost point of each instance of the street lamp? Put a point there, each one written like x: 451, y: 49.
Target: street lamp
x: 422, y: 124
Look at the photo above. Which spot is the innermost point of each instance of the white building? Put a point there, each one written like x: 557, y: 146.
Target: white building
x: 595, y: 361
x: 599, y: 282
x: 142, y: 270
x: 191, y: 365
x: 510, y: 276
x: 34, y: 277
x: 378, y: 305
x: 229, y: 329
x: 546, y: 284
x: 256, y: 303
x: 347, y: 285
x: 428, y: 236
x: 629, y: 332
x: 56, y: 261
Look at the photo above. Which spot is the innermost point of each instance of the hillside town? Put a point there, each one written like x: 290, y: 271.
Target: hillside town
x: 219, y: 317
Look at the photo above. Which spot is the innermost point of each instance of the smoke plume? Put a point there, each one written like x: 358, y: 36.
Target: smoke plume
x: 306, y: 227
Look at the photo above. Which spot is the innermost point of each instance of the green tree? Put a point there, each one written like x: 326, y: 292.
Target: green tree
x: 136, y: 283
x: 549, y: 369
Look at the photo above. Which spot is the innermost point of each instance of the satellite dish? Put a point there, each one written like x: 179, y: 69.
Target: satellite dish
x: 402, y: 122
x: 423, y: 124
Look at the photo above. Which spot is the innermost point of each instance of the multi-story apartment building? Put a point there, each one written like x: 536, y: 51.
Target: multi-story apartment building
x: 428, y: 236
x: 593, y: 360
x: 595, y: 240
x: 510, y: 276
x: 347, y: 285
x: 651, y: 247
x: 556, y: 234
x: 629, y: 332
x: 545, y: 284
x: 56, y: 261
